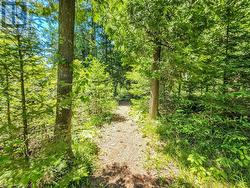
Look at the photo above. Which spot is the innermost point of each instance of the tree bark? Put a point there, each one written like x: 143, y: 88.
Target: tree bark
x: 180, y: 86
x: 7, y: 96
x: 62, y: 130
x: 106, y: 49
x: 23, y: 100
x: 225, y: 71
x: 93, y: 34
x: 179, y: 89
x: 154, y: 101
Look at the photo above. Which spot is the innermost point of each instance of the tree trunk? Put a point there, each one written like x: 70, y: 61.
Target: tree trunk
x: 225, y: 71
x: 23, y: 100
x: 93, y: 34
x: 115, y: 84
x: 179, y: 89
x: 65, y: 74
x: 7, y: 96
x: 106, y: 49
x: 154, y: 101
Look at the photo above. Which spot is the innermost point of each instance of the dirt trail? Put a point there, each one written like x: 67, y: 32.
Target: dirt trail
x: 122, y: 143
x: 122, y: 155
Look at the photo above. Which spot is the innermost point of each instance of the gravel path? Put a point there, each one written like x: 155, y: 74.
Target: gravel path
x: 122, y: 155
x: 122, y: 143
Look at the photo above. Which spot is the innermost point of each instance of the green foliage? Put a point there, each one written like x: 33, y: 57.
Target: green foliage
x: 47, y: 165
x: 139, y: 91
x: 204, y: 97
x: 212, y: 145
x: 50, y: 168
x: 97, y: 92
x: 93, y: 93
x: 85, y: 153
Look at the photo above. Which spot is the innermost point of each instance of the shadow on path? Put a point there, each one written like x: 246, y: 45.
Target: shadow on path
x: 118, y: 118
x: 120, y: 176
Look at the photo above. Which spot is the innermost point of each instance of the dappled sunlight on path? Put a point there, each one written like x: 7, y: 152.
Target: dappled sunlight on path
x: 123, y: 154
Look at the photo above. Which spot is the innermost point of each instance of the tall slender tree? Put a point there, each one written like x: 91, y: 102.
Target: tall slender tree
x: 23, y: 98
x: 65, y: 73
x: 154, y: 101
x: 7, y: 94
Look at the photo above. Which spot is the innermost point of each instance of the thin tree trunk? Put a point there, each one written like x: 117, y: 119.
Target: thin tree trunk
x: 154, y: 101
x: 7, y: 96
x: 115, y: 88
x: 106, y: 50
x: 225, y: 72
x: 23, y: 100
x: 179, y: 89
x: 93, y: 34
x: 65, y: 73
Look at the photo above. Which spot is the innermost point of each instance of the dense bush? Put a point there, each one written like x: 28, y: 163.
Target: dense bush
x: 139, y: 91
x: 93, y: 105
x: 98, y: 90
x: 94, y: 92
x: 49, y: 167
x: 211, y: 138
x: 206, y: 134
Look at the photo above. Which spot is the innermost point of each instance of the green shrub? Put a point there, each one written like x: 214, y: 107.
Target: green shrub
x: 98, y: 90
x: 209, y: 144
x: 50, y: 168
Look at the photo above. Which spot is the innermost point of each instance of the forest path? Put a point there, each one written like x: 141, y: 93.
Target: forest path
x: 122, y: 155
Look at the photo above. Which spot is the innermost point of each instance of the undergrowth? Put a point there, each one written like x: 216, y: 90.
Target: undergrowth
x: 49, y: 167
x: 207, y: 147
